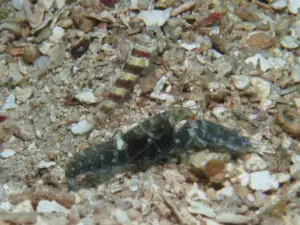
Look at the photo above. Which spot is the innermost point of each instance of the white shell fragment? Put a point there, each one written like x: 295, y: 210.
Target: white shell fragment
x: 196, y: 194
x: 9, y: 103
x: 296, y: 73
x: 226, y: 192
x: 255, y: 163
x: 266, y: 63
x: 293, y: 6
x: 7, y: 153
x: 241, y: 81
x: 197, y: 207
x: 279, y: 4
x: 23, y: 94
x: 188, y: 46
x: 46, y: 206
x: 57, y: 34
x: 263, y: 88
x: 263, y: 181
x: 289, y: 42
x: 86, y: 96
x: 121, y: 216
x: 191, y: 104
x: 157, y: 94
x: 282, y: 177
x: 18, y: 4
x: 226, y: 217
x: 155, y: 17
x: 45, y: 165
x: 24, y: 206
x: 82, y: 127
x: 60, y: 3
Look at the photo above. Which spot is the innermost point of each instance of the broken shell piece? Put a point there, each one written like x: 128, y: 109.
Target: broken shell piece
x: 126, y: 79
x: 197, y: 207
x: 241, y: 81
x: 296, y: 73
x: 172, y: 176
x: 35, y: 19
x: 294, y: 6
x: 282, y: 177
x: 57, y: 34
x: 188, y: 46
x: 18, y: 4
x: 266, y: 63
x: 279, y: 4
x: 108, y: 106
x: 255, y: 163
x: 289, y: 121
x: 297, y: 103
x: 82, y: 127
x: 46, y: 206
x: 182, y: 8
x: 9, y: 102
x: 138, y: 62
x: 155, y: 17
x: 86, y: 96
x: 121, y: 216
x: 117, y: 93
x: 263, y: 88
x: 227, y: 217
x: 23, y: 94
x: 44, y: 164
x: 289, y: 42
x: 60, y: 3
x: 260, y: 40
x: 263, y: 181
x: 7, y: 153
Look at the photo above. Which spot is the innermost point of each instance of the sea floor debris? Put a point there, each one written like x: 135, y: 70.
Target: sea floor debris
x: 73, y: 73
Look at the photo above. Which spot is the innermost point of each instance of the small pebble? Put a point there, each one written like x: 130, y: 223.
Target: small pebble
x: 31, y: 53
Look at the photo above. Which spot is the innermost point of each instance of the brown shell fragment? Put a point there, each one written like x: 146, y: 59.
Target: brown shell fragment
x: 290, y: 121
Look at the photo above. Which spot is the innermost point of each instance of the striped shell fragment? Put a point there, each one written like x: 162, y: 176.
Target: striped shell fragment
x: 137, y: 62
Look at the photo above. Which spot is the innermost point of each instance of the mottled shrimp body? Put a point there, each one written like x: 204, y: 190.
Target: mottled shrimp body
x: 206, y: 134
x: 153, y: 140
x: 148, y: 141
